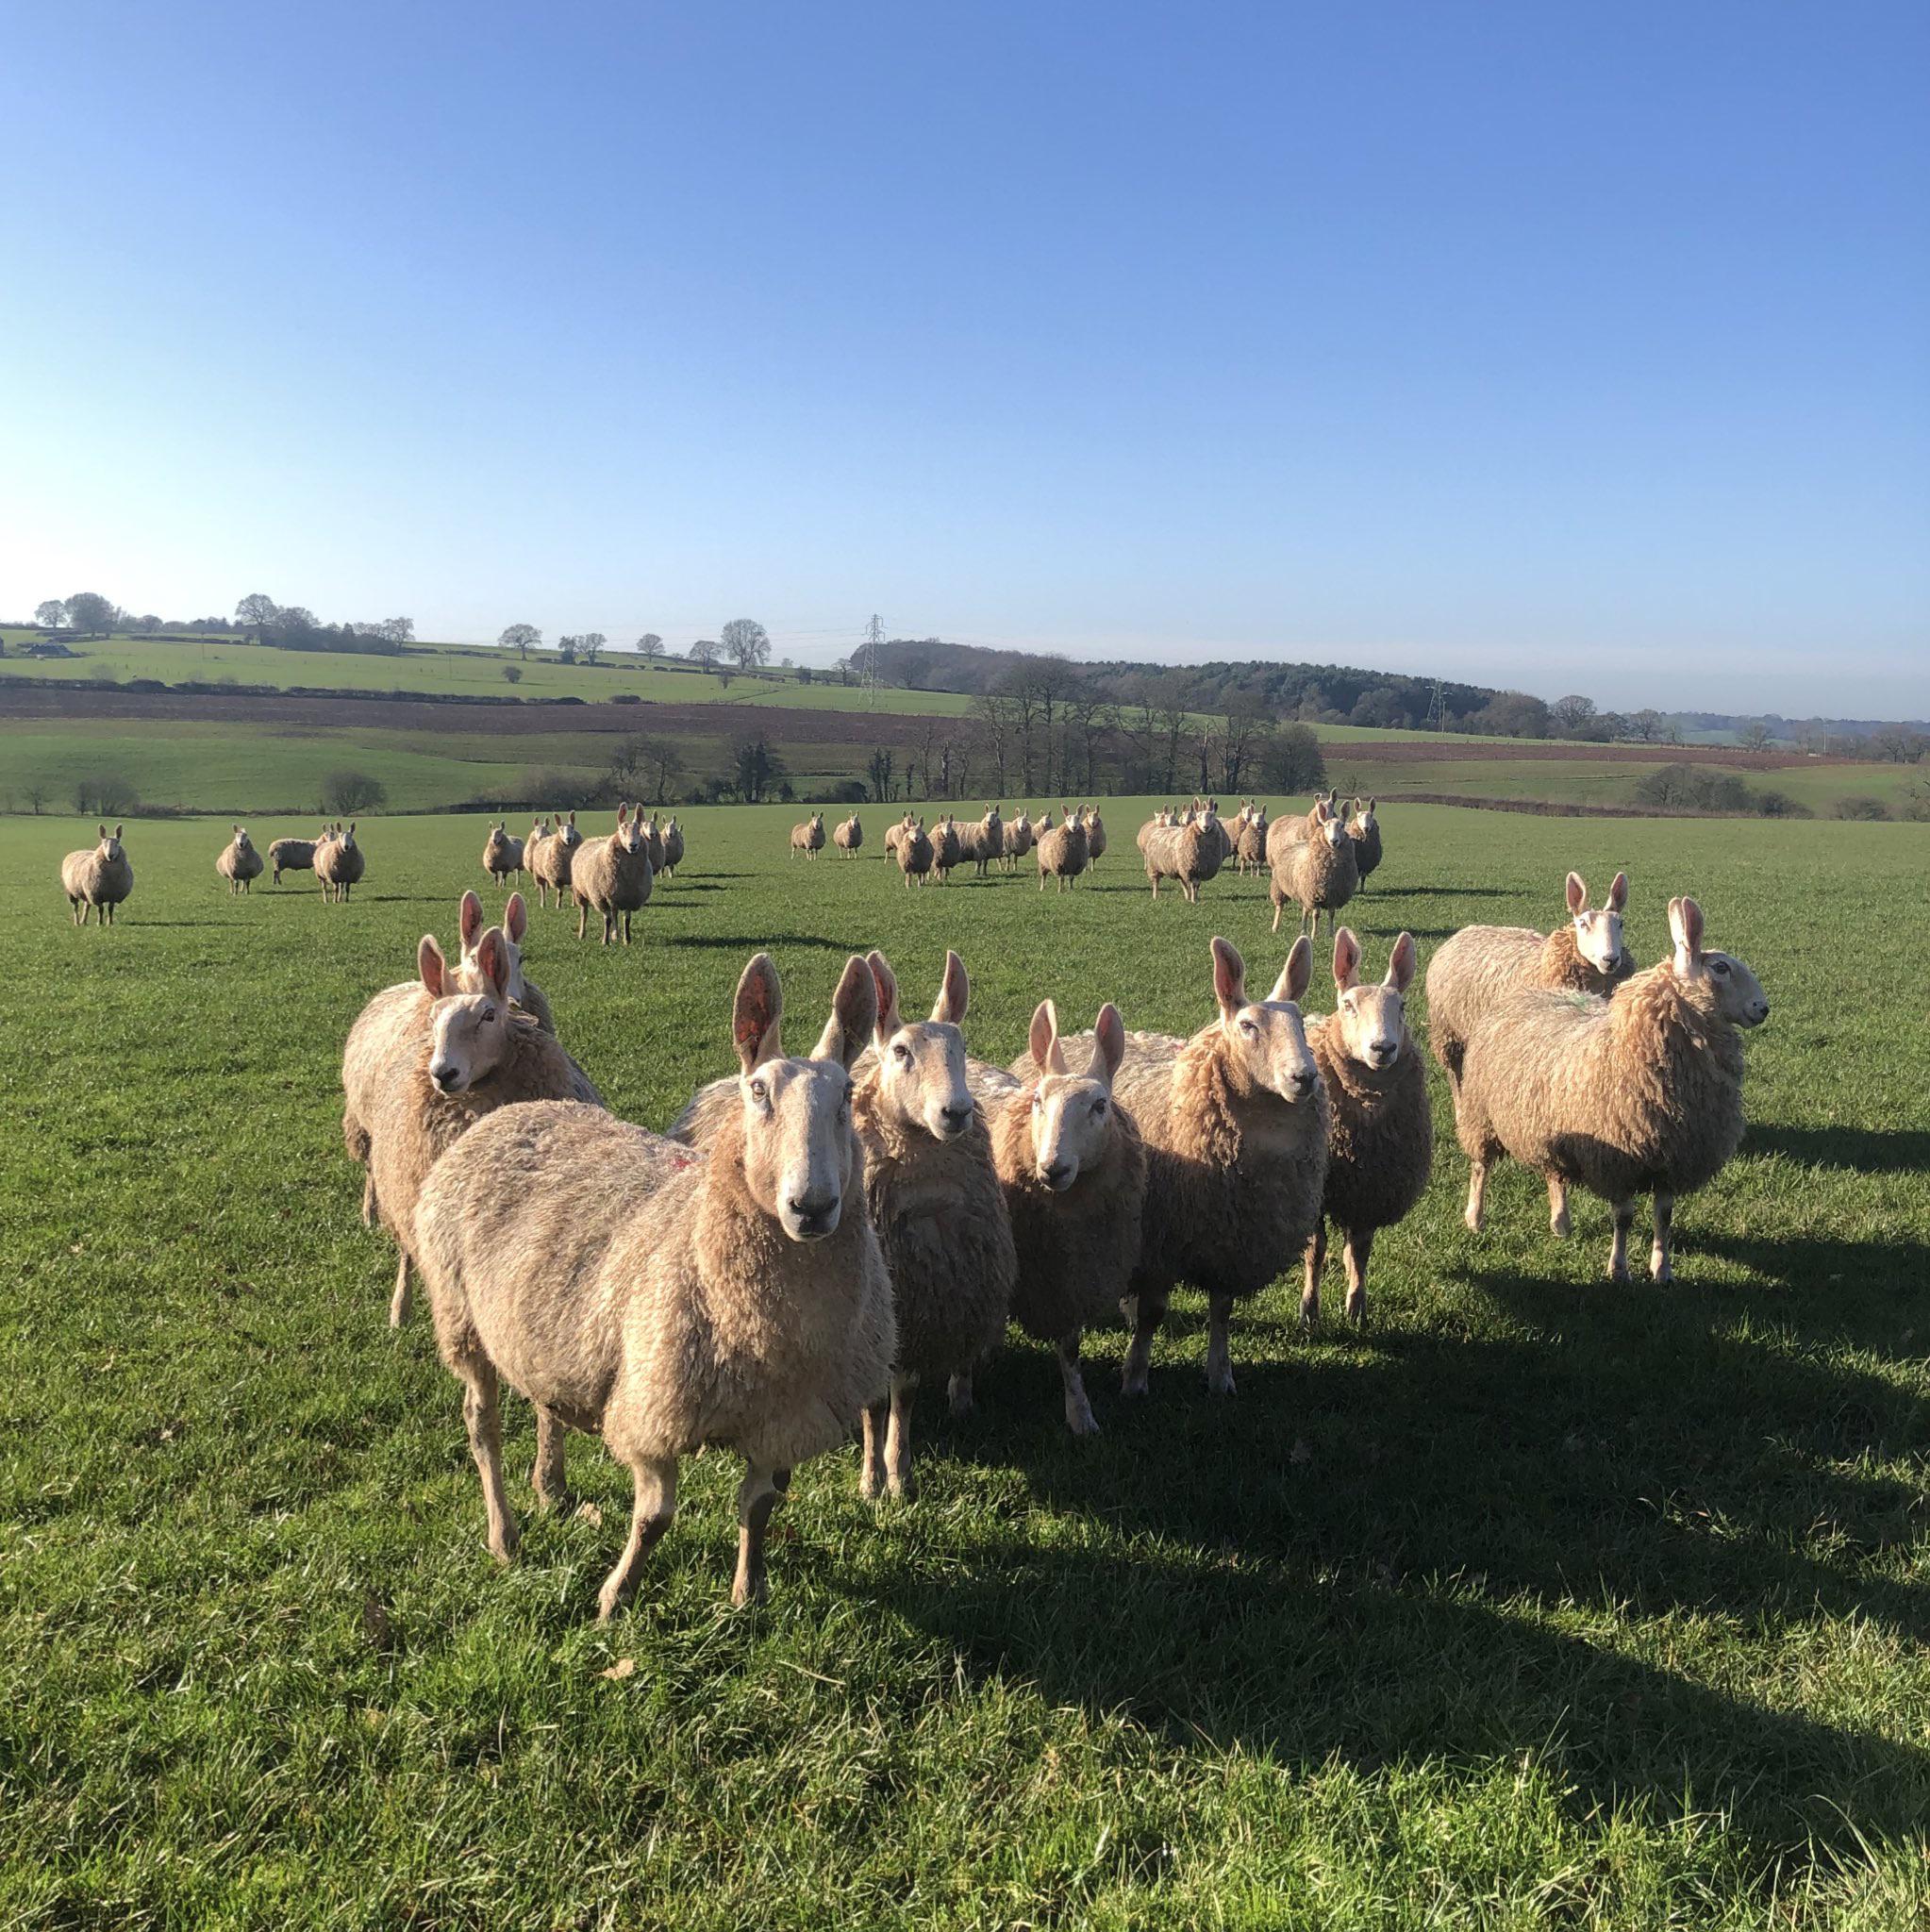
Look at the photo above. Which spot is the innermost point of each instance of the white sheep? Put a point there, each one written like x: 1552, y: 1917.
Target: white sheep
x: 98, y: 878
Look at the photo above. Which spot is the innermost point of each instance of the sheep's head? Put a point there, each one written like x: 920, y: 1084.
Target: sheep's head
x: 1371, y: 1021
x: 1719, y: 980
x: 922, y: 1064
x: 568, y: 833
x: 1072, y: 1113
x: 110, y: 846
x: 801, y: 1152
x: 630, y: 834
x: 242, y: 842
x: 1598, y: 934
x: 470, y: 976
x: 1265, y: 1049
x: 469, y: 1032
x: 1327, y: 826
x: 1363, y: 822
x: 347, y: 839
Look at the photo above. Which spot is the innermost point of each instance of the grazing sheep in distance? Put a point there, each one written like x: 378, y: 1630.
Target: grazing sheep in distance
x: 1380, y: 1146
x: 339, y: 863
x: 1296, y: 828
x: 293, y: 854
x: 1364, y: 830
x: 1250, y: 841
x: 549, y: 863
x: 470, y: 976
x: 986, y: 841
x: 914, y: 851
x: 1641, y: 1093
x: 1096, y: 835
x: 947, y: 848
x: 667, y: 1299
x: 808, y: 837
x: 1017, y: 839
x: 1074, y: 1170
x: 239, y: 863
x: 1062, y: 851
x: 1190, y: 851
x: 673, y: 846
x: 1318, y: 872
x: 502, y: 854
x: 652, y: 843
x: 423, y: 1063
x: 849, y: 837
x: 1234, y: 1121
x: 612, y: 875
x: 98, y: 878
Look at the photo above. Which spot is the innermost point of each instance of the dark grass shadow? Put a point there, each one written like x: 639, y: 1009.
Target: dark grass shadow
x: 725, y: 941
x: 1390, y: 890
x: 1855, y: 1150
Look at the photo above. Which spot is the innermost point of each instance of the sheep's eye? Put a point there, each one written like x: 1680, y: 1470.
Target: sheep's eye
x: 1038, y: 1103
x: 760, y: 1093
x: 1099, y: 1107
x: 488, y: 1014
x: 1250, y: 1028
x: 1720, y: 966
x: 901, y: 1053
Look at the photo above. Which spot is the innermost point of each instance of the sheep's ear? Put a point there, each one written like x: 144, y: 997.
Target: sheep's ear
x: 470, y: 921
x: 572, y: 818
x: 1109, y: 1043
x: 1346, y: 958
x: 757, y: 1015
x: 953, y: 994
x: 1369, y: 804
x: 622, y: 815
x: 428, y: 962
x: 854, y: 1015
x: 885, y: 984
x: 516, y: 918
x: 492, y: 955
x: 1684, y: 928
x: 1401, y: 965
x: 1577, y: 893
x: 1296, y: 973
x: 1043, y: 1041
x: 1617, y: 893
x: 102, y: 830
x: 1230, y: 979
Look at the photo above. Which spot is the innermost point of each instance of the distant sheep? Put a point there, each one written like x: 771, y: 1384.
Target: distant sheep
x: 808, y: 837
x: 947, y: 848
x: 1062, y: 851
x: 913, y: 851
x: 1096, y: 835
x: 502, y: 854
x: 673, y: 846
x: 293, y: 854
x: 239, y: 863
x: 339, y: 863
x: 1318, y: 872
x: 849, y: 837
x: 549, y: 861
x: 1190, y: 853
x: 1250, y: 840
x: 612, y: 875
x: 1296, y: 828
x: 1363, y: 828
x: 1017, y: 838
x: 98, y: 878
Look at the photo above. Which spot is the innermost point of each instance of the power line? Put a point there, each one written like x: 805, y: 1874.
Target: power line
x: 867, y: 660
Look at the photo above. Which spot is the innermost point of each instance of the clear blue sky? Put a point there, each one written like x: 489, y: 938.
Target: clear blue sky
x: 1572, y: 348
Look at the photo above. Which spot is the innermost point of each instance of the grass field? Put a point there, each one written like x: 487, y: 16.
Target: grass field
x: 1541, y: 1602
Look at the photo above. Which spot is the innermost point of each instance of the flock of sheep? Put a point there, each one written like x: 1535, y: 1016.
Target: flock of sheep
x: 828, y: 1228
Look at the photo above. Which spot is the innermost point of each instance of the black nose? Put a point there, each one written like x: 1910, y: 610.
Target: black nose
x: 812, y: 1211
x: 1302, y: 1083
x: 445, y: 1077
x: 1060, y: 1172
x: 956, y: 1117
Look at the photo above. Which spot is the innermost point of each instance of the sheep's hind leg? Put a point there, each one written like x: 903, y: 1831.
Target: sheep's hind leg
x: 1618, y: 1248
x: 959, y: 1394
x: 1145, y: 1312
x: 756, y: 1497
x: 1219, y: 1344
x: 656, y: 1478
x: 485, y: 1422
x: 1078, y: 1409
x: 398, y: 1301
x: 1311, y: 1290
x: 1559, y: 1223
x: 1477, y: 1195
x: 871, y: 1470
x: 898, y: 1438
x: 1359, y: 1247
x: 1660, y: 1266
x: 546, y: 1478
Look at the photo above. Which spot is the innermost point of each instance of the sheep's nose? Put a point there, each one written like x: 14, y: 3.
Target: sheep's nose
x: 1383, y: 1050
x: 1058, y: 1175
x: 813, y: 1212
x: 444, y: 1077
x: 1301, y: 1081
x: 957, y: 1118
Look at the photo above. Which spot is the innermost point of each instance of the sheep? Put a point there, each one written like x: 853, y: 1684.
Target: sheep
x: 1297, y: 828
x: 666, y: 1299
x: 1190, y: 851
x: 470, y: 976
x: 808, y: 837
x: 1017, y: 839
x: 1380, y: 1142
x: 673, y: 846
x: 986, y: 841
x: 98, y: 878
x: 1160, y: 820
x: 652, y: 843
x: 549, y: 863
x: 339, y: 863
x: 239, y: 863
x: 293, y: 854
x: 1235, y: 1123
x: 1250, y: 844
x: 947, y: 848
x: 612, y: 875
x: 1641, y: 1093
x: 1318, y: 872
x: 894, y: 833
x: 502, y: 854
x: 934, y: 1199
x: 421, y: 1065
x: 914, y: 851
x: 1062, y: 851
x: 849, y: 837
x: 1074, y: 1170
x: 1364, y: 830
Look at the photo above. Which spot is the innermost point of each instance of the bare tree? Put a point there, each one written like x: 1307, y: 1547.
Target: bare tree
x: 878, y: 770
x: 397, y: 630
x: 521, y: 638
x: 1243, y: 733
x: 746, y: 643
x: 704, y: 652
x: 258, y: 609
x: 992, y: 714
x: 589, y: 647
x: 50, y: 615
x: 1754, y: 736
x: 1645, y: 725
x: 649, y: 646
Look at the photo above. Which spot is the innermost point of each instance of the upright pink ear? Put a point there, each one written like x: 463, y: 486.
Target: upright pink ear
x: 1043, y: 1040
x: 1686, y: 928
x: 1617, y: 893
x: 1298, y: 971
x: 1577, y: 893
x: 758, y: 1011
x: 623, y: 814
x: 1346, y: 958
x: 470, y: 921
x: 516, y: 918
x: 428, y: 962
x: 1229, y: 977
x: 954, y: 994
x: 1401, y: 966
x: 1109, y: 1043
x: 854, y: 1014
x: 492, y: 955
x: 884, y: 986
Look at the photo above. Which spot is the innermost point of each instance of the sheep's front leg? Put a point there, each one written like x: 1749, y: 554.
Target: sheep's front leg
x: 756, y: 1497
x: 1477, y: 1195
x: 398, y: 1301
x: 959, y: 1394
x: 1145, y: 1312
x: 1078, y: 1410
x: 1219, y: 1344
x: 1661, y: 1267
x: 898, y: 1438
x: 1359, y: 1247
x: 582, y: 917
x: 485, y: 1424
x: 546, y: 1478
x: 1618, y: 1248
x: 1559, y: 1223
x: 656, y: 1478
x: 870, y: 1470
x: 370, y: 1211
x: 1311, y: 1289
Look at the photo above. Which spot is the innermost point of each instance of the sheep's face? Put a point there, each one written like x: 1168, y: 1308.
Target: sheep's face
x: 470, y: 975
x: 110, y: 846
x: 242, y: 842
x: 1739, y: 995
x: 468, y: 1037
x: 568, y: 833
x: 1264, y: 1044
x: 1598, y: 939
x: 922, y: 1064
x: 631, y: 836
x: 1363, y: 824
x: 1334, y: 832
x: 1073, y: 1113
x: 346, y: 840
x: 1371, y: 1021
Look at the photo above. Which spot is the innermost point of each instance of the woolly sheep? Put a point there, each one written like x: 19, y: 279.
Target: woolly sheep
x: 293, y: 854
x: 1074, y: 1170
x: 849, y: 837
x: 947, y: 848
x: 1062, y: 851
x: 1296, y: 828
x: 1641, y: 1093
x: 1380, y: 1142
x: 914, y: 851
x: 985, y: 842
x: 1018, y: 839
x: 666, y: 1299
x: 239, y: 863
x: 549, y: 859
x: 98, y: 878
x: 1250, y: 844
x: 1363, y: 828
x: 673, y: 846
x: 339, y: 863
x: 1234, y: 1121
x: 613, y: 875
x: 808, y: 837
x: 1190, y: 851
x: 1096, y: 835
x: 423, y: 1064
x: 1318, y: 872
x: 652, y: 843
x: 502, y: 854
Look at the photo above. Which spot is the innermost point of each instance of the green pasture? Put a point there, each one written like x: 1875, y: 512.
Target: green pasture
x: 1539, y: 1603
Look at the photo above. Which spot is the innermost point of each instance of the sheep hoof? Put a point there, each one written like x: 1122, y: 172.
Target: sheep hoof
x: 904, y: 1487
x: 1310, y: 1314
x: 1472, y: 1219
x: 1660, y: 1270
x: 1558, y: 1225
x: 1220, y: 1384
x: 1618, y: 1272
x: 503, y: 1546
x: 1079, y: 1419
x: 1133, y: 1382
x: 748, y: 1590
x: 1357, y: 1310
